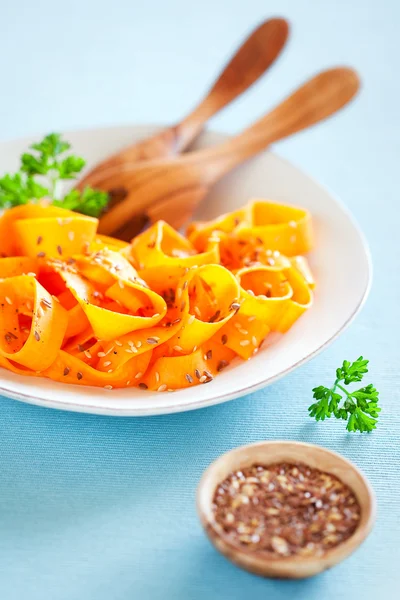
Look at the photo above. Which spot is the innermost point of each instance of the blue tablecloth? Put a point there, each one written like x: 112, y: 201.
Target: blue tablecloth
x: 100, y: 508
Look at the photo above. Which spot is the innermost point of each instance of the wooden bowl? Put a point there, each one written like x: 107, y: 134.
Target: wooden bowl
x: 264, y: 453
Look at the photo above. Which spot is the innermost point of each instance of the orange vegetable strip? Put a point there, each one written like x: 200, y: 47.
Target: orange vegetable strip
x: 101, y: 242
x: 287, y: 229
x: 301, y: 300
x: 281, y: 227
x: 77, y: 322
x: 301, y: 264
x: 32, y: 229
x: 171, y: 373
x: 49, y: 322
x: 161, y: 245
x: 200, y: 232
x: 105, y: 268
x: 54, y: 237
x: 17, y: 265
x: 70, y: 369
x: 9, y: 245
x: 265, y: 295
x: 205, y: 318
x: 19, y: 370
x: 120, y: 350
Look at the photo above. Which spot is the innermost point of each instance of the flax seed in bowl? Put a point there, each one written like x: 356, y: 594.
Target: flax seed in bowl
x: 285, y: 509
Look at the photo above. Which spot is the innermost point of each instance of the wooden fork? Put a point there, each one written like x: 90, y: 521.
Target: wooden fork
x: 254, y: 57
x: 171, y: 189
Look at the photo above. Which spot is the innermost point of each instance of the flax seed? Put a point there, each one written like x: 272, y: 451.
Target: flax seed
x: 46, y: 303
x: 221, y: 365
x: 286, y: 510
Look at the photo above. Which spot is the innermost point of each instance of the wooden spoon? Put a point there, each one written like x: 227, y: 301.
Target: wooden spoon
x: 266, y: 453
x: 171, y: 189
x: 254, y: 57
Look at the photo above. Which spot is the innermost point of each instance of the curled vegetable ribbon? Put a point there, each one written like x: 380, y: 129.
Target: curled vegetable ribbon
x: 32, y: 323
x: 164, y: 312
x: 272, y: 298
x: 111, y: 294
x: 252, y: 233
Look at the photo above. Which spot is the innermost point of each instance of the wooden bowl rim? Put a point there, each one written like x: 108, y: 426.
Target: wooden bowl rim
x: 334, y: 555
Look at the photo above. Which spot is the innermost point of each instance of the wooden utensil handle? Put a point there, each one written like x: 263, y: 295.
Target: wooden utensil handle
x: 254, y: 57
x: 314, y: 101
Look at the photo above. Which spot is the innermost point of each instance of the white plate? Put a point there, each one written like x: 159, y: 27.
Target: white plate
x: 341, y: 264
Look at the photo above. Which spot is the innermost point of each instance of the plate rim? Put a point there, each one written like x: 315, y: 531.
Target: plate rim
x: 223, y: 397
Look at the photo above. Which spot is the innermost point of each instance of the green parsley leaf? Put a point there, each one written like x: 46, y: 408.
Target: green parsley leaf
x: 90, y: 202
x: 70, y: 167
x: 359, y: 408
x: 33, y: 165
x: 47, y: 163
x: 17, y: 189
x: 46, y: 160
x: 351, y: 372
x: 51, y: 145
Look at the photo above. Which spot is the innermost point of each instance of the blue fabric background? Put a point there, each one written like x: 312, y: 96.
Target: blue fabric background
x: 100, y: 508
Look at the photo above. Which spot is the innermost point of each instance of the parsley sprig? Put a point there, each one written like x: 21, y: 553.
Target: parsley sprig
x: 360, y: 407
x: 41, y: 175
